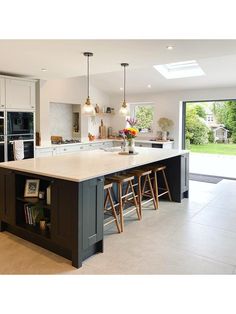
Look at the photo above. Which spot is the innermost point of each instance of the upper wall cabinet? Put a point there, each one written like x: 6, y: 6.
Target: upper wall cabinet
x: 2, y: 93
x: 20, y: 94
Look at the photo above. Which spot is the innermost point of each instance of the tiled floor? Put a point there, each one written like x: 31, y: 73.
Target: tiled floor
x: 197, y: 236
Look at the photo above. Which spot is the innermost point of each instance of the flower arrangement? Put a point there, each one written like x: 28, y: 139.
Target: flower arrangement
x: 165, y: 124
x: 132, y: 122
x: 129, y: 133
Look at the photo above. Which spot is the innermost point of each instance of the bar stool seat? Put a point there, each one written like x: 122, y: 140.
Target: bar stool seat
x: 127, y: 197
x: 155, y: 168
x: 145, y: 174
x: 108, y: 199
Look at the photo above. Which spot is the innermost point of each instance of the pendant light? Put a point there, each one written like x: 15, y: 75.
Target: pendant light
x: 124, y: 107
x: 88, y: 108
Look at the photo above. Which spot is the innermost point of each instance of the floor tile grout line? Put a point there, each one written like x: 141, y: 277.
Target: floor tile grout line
x: 213, y: 227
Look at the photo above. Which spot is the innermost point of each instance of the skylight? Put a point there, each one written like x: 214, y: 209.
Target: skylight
x: 180, y: 69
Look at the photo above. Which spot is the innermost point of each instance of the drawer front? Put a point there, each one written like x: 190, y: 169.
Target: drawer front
x: 68, y: 149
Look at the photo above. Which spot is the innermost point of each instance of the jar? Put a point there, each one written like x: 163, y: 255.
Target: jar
x: 131, y: 145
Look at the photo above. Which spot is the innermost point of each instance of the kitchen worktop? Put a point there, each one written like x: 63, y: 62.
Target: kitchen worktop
x: 86, y: 165
x: 102, y: 141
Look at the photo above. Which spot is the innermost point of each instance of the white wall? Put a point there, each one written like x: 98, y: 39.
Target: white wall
x: 169, y: 104
x: 66, y: 91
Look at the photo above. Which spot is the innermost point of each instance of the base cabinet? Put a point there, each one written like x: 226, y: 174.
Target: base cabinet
x: 7, y: 196
x: 73, y: 217
x: 91, y: 202
x: 185, y: 174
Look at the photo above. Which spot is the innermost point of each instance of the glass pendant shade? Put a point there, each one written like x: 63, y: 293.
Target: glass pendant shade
x: 124, y: 108
x: 124, y: 111
x: 88, y: 109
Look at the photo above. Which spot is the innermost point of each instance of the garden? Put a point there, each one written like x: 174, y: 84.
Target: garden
x: 211, y: 127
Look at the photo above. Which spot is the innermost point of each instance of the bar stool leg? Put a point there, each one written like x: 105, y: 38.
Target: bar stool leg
x: 152, y: 193
x: 166, y: 184
x: 140, y: 196
x: 135, y: 201
x: 156, y: 188
x: 113, y: 210
x: 121, y: 207
x: 144, y: 185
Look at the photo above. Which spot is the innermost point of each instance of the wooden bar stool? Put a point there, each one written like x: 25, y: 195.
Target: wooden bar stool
x: 145, y: 174
x: 159, y: 191
x: 109, y: 199
x: 127, y: 197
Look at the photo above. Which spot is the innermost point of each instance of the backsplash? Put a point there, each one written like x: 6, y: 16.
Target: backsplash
x: 95, y: 122
x: 61, y: 120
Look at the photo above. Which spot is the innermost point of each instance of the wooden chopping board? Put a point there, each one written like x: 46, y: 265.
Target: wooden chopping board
x: 102, y: 131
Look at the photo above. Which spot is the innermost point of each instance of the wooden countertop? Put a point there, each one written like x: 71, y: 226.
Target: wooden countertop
x: 86, y: 165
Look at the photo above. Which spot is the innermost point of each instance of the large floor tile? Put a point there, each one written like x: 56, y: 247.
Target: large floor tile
x: 213, y: 243
x: 223, y: 218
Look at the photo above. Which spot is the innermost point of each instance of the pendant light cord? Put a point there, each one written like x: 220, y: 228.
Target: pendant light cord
x: 88, y: 74
x: 124, y: 82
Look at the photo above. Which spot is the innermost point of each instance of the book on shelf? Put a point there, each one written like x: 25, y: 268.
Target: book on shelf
x: 33, y: 214
x: 48, y: 195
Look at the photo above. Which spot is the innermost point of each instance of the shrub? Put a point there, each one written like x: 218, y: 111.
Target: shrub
x: 211, y: 137
x: 196, y: 129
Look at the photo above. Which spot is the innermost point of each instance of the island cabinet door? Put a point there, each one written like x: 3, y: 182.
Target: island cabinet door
x: 64, y: 204
x: 91, y: 211
x: 7, y: 196
x: 184, y: 173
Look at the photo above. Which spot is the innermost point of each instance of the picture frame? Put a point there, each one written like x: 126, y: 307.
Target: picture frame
x: 31, y: 188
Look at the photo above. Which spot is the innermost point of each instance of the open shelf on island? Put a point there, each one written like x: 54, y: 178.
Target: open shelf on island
x: 34, y: 201
x: 35, y: 229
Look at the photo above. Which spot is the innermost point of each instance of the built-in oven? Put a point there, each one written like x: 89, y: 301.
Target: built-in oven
x: 28, y: 149
x: 2, y: 133
x: 20, y: 123
x: 2, y: 126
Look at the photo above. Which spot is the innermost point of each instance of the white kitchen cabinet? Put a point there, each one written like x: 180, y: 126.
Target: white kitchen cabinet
x: 45, y: 152
x: 20, y: 94
x: 2, y: 93
x: 67, y: 149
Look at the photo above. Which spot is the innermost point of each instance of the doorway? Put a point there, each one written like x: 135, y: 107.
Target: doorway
x: 209, y: 133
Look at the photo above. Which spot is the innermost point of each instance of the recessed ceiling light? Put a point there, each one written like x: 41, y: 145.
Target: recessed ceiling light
x: 180, y: 69
x: 149, y: 86
x: 121, y: 88
x: 43, y: 69
x: 169, y: 47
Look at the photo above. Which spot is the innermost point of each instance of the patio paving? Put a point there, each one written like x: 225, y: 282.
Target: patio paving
x: 211, y: 164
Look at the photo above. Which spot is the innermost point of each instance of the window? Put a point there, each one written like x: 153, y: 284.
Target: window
x: 210, y: 118
x: 180, y: 69
x: 144, y: 113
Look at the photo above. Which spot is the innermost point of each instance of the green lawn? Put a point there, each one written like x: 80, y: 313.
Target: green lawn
x: 212, y: 148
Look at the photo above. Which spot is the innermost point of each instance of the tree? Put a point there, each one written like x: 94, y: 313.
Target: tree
x: 196, y: 129
x: 225, y: 112
x: 231, y: 118
x: 220, y: 110
x: 144, y: 116
x: 200, y: 111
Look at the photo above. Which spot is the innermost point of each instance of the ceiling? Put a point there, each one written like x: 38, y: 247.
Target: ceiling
x: 64, y: 59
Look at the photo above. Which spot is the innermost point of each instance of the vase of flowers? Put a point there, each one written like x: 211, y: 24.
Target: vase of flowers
x: 165, y: 125
x: 129, y: 135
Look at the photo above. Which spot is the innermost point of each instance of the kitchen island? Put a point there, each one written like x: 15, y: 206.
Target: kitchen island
x: 74, y: 185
